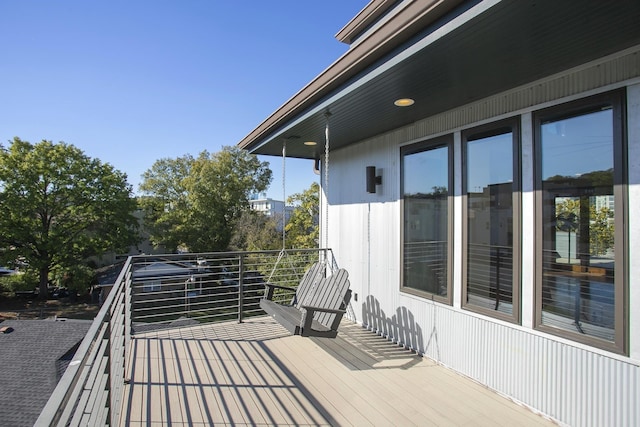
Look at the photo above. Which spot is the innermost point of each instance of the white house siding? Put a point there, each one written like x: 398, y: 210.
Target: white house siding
x: 573, y: 383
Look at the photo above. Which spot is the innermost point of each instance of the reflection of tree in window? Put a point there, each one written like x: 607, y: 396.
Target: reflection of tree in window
x: 578, y: 208
x: 601, y: 226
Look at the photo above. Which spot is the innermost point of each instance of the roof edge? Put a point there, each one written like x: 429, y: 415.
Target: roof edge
x: 363, y: 19
x: 392, y: 33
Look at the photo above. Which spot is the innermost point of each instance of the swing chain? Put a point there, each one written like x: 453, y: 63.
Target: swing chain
x: 326, y: 180
x: 284, y: 192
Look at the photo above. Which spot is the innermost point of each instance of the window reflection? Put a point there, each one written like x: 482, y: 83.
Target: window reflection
x: 578, y: 207
x: 426, y: 213
x: 490, y: 190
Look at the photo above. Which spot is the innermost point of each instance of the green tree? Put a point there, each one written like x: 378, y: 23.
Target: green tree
x: 195, y: 202
x: 166, y: 202
x: 602, y: 230
x: 254, y: 231
x: 601, y: 227
x: 302, y: 229
x: 60, y: 206
x: 567, y: 215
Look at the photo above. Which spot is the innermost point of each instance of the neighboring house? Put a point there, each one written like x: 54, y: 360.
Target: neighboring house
x: 33, y: 356
x: 156, y: 280
x: 458, y: 131
x: 161, y: 281
x: 162, y: 276
x: 151, y: 277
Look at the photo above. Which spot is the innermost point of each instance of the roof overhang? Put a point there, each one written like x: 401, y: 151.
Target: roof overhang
x: 442, y: 54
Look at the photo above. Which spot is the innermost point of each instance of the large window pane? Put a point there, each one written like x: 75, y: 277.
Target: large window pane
x: 490, y: 190
x: 425, y: 183
x: 578, y: 226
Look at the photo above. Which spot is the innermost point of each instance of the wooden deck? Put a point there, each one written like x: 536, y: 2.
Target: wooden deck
x: 255, y: 373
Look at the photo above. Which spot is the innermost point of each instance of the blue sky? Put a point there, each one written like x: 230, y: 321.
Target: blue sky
x: 130, y: 82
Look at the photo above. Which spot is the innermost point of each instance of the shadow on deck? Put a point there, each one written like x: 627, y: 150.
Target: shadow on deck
x: 255, y: 373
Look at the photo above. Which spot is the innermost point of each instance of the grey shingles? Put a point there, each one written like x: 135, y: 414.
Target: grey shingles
x: 31, y: 357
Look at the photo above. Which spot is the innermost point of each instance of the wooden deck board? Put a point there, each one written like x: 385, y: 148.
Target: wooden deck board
x: 157, y: 392
x: 255, y: 373
x: 392, y: 409
x: 330, y: 383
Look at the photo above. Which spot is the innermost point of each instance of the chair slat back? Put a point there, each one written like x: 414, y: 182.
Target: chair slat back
x: 330, y: 293
x: 307, y: 285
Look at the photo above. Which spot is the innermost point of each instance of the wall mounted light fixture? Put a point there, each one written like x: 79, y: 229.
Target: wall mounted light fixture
x: 372, y: 179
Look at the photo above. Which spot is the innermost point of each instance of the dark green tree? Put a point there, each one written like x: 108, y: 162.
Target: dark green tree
x: 302, y: 229
x: 165, y: 201
x: 254, y: 231
x: 59, y: 207
x: 195, y: 202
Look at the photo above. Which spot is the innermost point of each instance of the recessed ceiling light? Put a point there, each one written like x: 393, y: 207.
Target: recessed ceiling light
x: 310, y: 143
x: 403, y: 102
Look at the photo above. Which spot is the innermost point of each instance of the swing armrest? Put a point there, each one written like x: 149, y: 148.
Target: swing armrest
x: 270, y: 287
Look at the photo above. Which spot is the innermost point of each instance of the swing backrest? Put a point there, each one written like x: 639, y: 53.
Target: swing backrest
x: 309, y: 281
x: 331, y: 293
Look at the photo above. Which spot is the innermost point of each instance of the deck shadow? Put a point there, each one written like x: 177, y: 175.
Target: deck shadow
x: 217, y: 376
x: 359, y: 348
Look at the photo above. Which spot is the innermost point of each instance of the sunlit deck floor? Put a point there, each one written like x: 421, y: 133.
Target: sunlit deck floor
x: 255, y: 373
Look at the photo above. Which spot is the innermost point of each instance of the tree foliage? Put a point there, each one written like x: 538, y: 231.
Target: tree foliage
x: 60, y: 206
x: 254, y: 231
x: 166, y: 204
x: 302, y: 229
x: 195, y: 202
x: 601, y: 227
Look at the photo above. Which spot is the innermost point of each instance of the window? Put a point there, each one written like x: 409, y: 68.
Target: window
x: 152, y: 286
x: 426, y: 205
x: 491, y: 204
x: 580, y: 179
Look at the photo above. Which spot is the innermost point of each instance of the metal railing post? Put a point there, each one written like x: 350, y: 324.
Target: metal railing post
x: 240, y: 288
x: 112, y: 399
x: 127, y: 319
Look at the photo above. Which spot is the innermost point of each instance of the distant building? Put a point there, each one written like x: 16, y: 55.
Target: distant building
x: 272, y: 208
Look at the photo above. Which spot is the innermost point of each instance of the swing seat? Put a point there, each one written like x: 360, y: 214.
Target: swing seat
x: 319, y: 312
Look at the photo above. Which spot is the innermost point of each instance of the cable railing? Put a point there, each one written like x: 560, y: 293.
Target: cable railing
x: 179, y: 290
x: 490, y: 275
x: 578, y: 294
x: 164, y: 291
x: 425, y: 266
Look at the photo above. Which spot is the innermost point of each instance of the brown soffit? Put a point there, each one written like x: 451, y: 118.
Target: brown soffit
x: 398, y: 29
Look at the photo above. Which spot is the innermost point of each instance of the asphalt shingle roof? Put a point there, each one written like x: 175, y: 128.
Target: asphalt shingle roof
x: 32, y: 359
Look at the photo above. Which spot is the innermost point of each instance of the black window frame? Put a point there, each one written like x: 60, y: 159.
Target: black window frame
x: 617, y: 101
x: 446, y: 141
x: 512, y: 125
